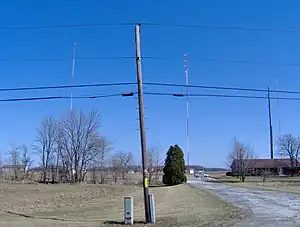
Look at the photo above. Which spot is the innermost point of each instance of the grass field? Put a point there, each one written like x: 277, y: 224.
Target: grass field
x: 102, y: 205
x: 293, y: 187
x: 273, y: 183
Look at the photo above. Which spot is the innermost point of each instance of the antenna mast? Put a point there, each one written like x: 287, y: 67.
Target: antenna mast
x: 187, y: 110
x: 73, y: 74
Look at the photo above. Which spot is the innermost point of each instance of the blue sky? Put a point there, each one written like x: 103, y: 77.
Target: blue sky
x: 214, y: 122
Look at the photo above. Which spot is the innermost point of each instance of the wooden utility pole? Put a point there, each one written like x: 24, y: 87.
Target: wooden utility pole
x: 270, y: 125
x: 142, y: 122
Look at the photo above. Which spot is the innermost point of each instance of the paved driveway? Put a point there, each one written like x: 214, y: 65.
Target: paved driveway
x: 276, y: 209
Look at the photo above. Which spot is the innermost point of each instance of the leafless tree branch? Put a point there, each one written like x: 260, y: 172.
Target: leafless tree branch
x: 241, y: 157
x: 82, y: 144
x: 26, y: 160
x: 121, y: 162
x: 289, y: 146
x: 14, y: 153
x: 154, y: 161
x: 45, y: 143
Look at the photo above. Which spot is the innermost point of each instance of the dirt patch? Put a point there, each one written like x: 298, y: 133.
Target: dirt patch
x: 102, y: 205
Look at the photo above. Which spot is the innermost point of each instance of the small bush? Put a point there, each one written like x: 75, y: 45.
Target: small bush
x: 231, y: 174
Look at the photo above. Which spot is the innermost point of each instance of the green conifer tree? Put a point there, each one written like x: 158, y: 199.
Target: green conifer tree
x: 174, y: 169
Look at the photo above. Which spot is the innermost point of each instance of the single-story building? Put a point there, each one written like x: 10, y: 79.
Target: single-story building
x: 256, y: 167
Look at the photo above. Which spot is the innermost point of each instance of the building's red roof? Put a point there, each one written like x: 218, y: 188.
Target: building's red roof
x: 266, y: 163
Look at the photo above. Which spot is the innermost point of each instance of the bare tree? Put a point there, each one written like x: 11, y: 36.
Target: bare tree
x: 26, y: 160
x: 101, y: 160
x: 82, y: 143
x: 115, y: 167
x: 289, y: 146
x: 265, y: 174
x: 59, y: 155
x: 241, y: 157
x: 15, y: 160
x: 153, y: 163
x: 45, y: 143
x: 122, y: 162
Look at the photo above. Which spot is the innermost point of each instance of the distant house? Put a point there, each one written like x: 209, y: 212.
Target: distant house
x: 257, y: 166
x: 9, y: 168
x: 9, y: 172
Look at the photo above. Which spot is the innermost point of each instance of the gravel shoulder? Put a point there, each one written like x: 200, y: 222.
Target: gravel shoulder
x: 265, y: 208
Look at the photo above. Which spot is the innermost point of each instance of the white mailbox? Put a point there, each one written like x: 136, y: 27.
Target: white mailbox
x: 128, y: 210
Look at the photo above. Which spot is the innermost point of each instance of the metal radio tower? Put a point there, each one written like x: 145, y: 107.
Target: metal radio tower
x: 187, y: 109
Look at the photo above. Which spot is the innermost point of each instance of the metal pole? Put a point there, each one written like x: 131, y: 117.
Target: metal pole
x: 142, y: 123
x: 73, y: 74
x: 187, y: 111
x: 270, y: 125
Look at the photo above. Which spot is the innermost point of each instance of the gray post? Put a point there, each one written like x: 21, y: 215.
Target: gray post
x: 152, y: 208
x: 141, y: 119
x: 128, y: 210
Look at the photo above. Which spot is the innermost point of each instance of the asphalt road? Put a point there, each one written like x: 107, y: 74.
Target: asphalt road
x: 274, y: 209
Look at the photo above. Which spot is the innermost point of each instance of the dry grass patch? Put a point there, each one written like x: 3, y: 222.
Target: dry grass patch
x: 98, y: 205
x: 283, y: 186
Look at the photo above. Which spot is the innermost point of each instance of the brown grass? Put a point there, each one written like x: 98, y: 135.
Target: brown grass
x: 216, y: 174
x: 282, y: 186
x: 273, y: 183
x: 101, y: 205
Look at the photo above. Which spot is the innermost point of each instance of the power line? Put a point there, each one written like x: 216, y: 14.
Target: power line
x: 232, y: 61
x: 218, y: 96
x: 67, y: 97
x: 66, y: 86
x: 130, y: 94
x: 220, y: 88
x: 179, y: 25
x: 102, y: 58
x: 79, y: 25
x: 222, y: 27
x: 238, y: 61
x: 55, y: 59
x: 149, y: 84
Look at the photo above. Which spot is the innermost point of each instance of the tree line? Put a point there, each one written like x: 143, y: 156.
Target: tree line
x: 71, y: 146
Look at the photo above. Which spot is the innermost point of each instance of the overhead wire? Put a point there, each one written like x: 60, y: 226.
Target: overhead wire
x: 222, y: 27
x: 39, y: 98
x: 77, y: 58
x: 101, y: 58
x: 247, y: 89
x: 76, y: 25
x: 129, y: 94
x: 220, y: 88
x: 143, y: 23
x: 66, y: 86
x: 218, y: 96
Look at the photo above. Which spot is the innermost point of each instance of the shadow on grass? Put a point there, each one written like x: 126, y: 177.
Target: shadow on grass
x: 122, y: 222
x: 33, y: 217
x: 157, y: 186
